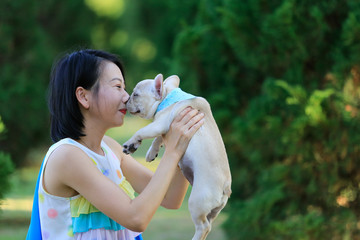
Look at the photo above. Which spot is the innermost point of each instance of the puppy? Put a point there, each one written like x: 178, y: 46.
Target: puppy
x: 204, y: 164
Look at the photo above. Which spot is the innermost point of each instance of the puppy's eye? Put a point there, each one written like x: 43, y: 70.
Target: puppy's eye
x: 136, y: 95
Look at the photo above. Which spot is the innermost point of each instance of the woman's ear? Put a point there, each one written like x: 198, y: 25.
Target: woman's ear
x: 82, y: 96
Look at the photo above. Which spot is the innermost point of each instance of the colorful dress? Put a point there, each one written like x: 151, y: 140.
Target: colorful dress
x: 75, y: 217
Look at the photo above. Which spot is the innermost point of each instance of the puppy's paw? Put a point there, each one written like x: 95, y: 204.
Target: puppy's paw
x: 151, y: 154
x: 131, y: 146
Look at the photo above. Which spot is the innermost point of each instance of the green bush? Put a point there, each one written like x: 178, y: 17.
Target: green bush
x: 300, y: 179
x: 6, y: 167
x: 32, y: 36
x: 293, y: 143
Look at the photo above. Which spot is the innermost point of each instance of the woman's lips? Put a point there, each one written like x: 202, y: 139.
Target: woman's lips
x: 123, y: 111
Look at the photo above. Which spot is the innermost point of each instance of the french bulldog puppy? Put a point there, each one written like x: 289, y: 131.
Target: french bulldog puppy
x: 204, y: 164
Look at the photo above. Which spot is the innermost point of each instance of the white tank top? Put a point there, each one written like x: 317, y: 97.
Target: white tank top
x: 75, y: 217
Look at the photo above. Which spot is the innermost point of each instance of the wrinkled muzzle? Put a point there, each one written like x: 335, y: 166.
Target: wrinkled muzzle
x: 131, y: 107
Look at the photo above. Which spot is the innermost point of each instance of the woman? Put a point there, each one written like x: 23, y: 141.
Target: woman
x: 86, y: 186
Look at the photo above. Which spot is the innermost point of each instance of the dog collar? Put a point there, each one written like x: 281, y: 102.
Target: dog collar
x: 174, y: 96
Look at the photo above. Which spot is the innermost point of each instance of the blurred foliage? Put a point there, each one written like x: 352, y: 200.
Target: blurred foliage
x: 6, y: 167
x: 37, y: 34
x: 32, y: 35
x: 282, y: 78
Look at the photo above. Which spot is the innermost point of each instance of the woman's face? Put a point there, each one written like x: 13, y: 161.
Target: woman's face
x: 110, y: 103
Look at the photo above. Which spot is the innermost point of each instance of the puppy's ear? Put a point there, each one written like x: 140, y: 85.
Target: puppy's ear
x: 172, y: 81
x: 159, y: 86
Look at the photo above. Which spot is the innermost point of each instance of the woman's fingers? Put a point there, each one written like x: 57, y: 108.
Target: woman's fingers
x: 195, y: 123
x: 183, y: 128
x: 186, y: 114
x: 189, y: 116
x: 190, y: 122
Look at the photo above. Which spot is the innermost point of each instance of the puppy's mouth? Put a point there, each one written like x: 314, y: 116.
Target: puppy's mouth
x: 136, y: 112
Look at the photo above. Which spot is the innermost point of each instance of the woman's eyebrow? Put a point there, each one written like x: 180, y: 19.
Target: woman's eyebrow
x: 118, y: 79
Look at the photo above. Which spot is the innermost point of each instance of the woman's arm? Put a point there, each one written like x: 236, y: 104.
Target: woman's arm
x: 176, y: 193
x: 139, y: 176
x: 74, y: 169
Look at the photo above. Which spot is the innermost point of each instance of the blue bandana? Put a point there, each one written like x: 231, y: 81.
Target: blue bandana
x: 174, y: 96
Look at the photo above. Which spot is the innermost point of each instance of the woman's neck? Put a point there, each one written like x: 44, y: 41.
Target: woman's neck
x: 91, y: 144
x: 93, y: 137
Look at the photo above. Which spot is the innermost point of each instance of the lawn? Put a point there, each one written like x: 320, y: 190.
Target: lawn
x: 166, y: 224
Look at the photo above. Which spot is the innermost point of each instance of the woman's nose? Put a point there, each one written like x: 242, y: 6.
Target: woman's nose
x: 126, y: 97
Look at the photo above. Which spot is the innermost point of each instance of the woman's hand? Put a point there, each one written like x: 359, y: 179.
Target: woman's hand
x: 182, y: 129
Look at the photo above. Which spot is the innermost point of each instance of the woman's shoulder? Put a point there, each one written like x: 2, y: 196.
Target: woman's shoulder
x: 65, y: 148
x: 64, y: 164
x: 65, y: 153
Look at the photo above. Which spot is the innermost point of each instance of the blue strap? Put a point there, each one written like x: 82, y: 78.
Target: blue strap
x: 139, y: 237
x: 34, y: 232
x: 174, y: 96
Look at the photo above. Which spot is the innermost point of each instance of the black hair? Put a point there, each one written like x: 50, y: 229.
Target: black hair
x: 78, y: 69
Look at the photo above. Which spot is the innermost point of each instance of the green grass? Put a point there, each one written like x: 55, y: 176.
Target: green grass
x: 177, y: 225
x: 166, y: 224
x: 14, y: 222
